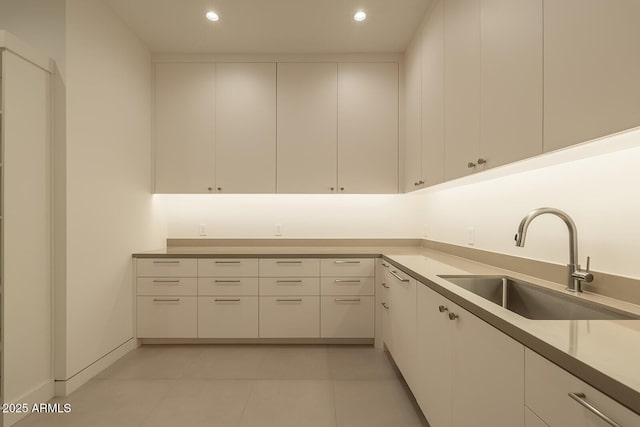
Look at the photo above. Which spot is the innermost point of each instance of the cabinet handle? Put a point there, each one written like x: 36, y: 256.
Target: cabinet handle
x: 581, y: 399
x: 347, y: 299
x: 384, y: 285
x: 394, y: 274
x: 453, y: 316
x: 442, y: 309
x: 226, y: 281
x: 332, y: 188
x: 288, y: 262
x: 346, y: 281
x: 166, y: 281
x: 471, y: 165
x: 219, y: 188
x: 289, y: 300
x: 227, y: 299
x: 482, y: 161
x: 227, y: 262
x: 166, y: 300
x: 166, y: 262
x: 288, y: 281
x: 345, y: 262
x: 341, y: 188
x: 385, y: 265
x: 386, y: 307
x: 418, y: 183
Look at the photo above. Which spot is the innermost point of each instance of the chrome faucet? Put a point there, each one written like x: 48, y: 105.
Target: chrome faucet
x: 575, y: 276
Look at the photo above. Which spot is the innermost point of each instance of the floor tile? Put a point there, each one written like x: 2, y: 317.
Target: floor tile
x: 359, y: 363
x: 290, y: 403
x: 374, y: 403
x: 295, y: 362
x: 154, y: 362
x: 227, y: 362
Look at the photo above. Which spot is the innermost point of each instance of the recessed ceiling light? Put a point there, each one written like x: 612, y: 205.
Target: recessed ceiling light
x: 360, y: 16
x: 212, y: 16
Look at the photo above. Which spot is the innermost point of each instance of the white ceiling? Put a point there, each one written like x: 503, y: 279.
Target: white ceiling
x: 272, y: 26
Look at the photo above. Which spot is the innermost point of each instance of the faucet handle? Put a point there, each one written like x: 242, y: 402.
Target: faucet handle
x: 588, y: 263
x: 584, y: 275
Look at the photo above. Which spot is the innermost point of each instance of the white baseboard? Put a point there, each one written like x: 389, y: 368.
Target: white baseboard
x: 66, y: 387
x: 40, y: 394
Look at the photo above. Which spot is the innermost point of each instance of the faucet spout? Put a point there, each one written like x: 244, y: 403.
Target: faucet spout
x: 575, y: 275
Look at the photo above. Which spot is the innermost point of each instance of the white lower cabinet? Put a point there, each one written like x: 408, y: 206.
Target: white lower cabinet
x: 547, y: 394
x: 347, y: 316
x: 227, y: 317
x: 167, y: 316
x: 468, y: 373
x: 290, y: 317
x: 532, y: 420
x: 402, y: 313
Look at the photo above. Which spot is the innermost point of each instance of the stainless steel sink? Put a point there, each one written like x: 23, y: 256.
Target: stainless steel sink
x: 534, y: 302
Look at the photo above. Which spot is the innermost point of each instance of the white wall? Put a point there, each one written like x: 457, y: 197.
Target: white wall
x: 600, y: 193
x: 301, y: 216
x: 110, y: 211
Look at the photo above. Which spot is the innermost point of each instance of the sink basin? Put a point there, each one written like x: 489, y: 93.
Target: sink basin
x: 534, y: 302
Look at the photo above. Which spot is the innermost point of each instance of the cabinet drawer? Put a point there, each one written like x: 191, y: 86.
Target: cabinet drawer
x: 547, y: 388
x: 166, y: 286
x: 347, y: 317
x: 347, y: 286
x: 350, y: 267
x: 167, y: 317
x: 241, y: 267
x: 290, y: 286
x: 290, y: 317
x: 227, y: 317
x: 228, y: 286
x: 166, y: 267
x: 289, y: 267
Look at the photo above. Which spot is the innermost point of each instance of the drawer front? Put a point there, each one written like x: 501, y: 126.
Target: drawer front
x: 347, y: 317
x: 290, y: 317
x: 547, y: 388
x: 228, y: 317
x: 167, y: 317
x: 289, y: 267
x: 241, y: 267
x: 347, y: 286
x: 290, y: 286
x: 228, y: 286
x: 349, y: 267
x: 166, y: 267
x: 166, y: 286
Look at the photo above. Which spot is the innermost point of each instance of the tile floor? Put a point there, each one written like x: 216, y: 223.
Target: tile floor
x: 242, y: 385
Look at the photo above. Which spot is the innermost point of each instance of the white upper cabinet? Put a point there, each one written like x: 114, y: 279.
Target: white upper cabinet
x: 368, y: 127
x: 412, y: 116
x: 591, y: 69
x: 184, y: 127
x: 462, y: 86
x: 511, y: 81
x: 307, y: 127
x: 245, y: 128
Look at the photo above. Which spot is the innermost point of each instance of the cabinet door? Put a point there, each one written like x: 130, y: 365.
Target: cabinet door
x: 228, y: 317
x: 402, y: 310
x: 246, y: 128
x: 368, y: 128
x: 591, y: 69
x: 289, y: 317
x: 346, y: 317
x: 433, y: 96
x: 184, y: 128
x: 413, y: 115
x: 511, y: 80
x: 433, y: 371
x: 307, y: 127
x: 488, y: 374
x: 462, y: 86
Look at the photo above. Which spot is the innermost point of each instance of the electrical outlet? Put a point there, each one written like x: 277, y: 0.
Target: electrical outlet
x: 202, y: 229
x: 278, y: 230
x: 471, y: 236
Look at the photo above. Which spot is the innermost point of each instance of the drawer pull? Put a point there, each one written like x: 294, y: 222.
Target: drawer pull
x: 385, y: 265
x: 346, y: 281
x: 289, y: 281
x: 347, y: 299
x: 289, y: 300
x: 166, y: 262
x: 581, y: 399
x: 346, y: 262
x: 227, y: 299
x: 386, y: 307
x: 166, y: 281
x: 227, y: 262
x: 226, y: 281
x: 384, y: 285
x: 288, y: 262
x: 166, y: 300
x: 394, y: 274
